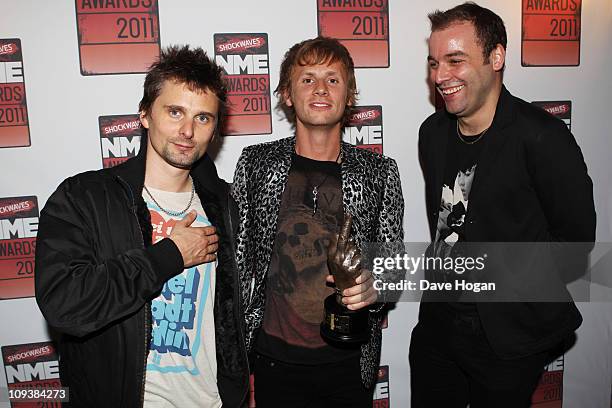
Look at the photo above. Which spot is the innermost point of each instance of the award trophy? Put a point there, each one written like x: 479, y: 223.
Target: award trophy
x: 342, y: 325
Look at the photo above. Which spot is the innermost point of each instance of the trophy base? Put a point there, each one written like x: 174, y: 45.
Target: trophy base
x: 341, y: 325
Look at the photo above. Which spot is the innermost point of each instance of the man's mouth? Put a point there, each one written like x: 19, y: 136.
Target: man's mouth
x: 450, y: 91
x: 320, y: 105
x: 184, y: 147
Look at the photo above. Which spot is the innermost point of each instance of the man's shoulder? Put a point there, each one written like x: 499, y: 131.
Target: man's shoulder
x: 94, y: 188
x: 92, y: 181
x: 537, y: 118
x: 368, y: 158
x: 432, y: 127
x: 268, y: 148
x: 437, y: 119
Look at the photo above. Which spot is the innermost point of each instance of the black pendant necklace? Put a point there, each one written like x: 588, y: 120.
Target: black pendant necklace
x: 315, y: 188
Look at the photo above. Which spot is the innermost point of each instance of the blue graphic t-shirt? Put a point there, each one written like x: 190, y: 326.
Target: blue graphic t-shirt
x: 181, y: 366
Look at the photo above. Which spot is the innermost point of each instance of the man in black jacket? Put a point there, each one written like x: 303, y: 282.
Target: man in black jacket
x: 497, y: 169
x: 125, y: 262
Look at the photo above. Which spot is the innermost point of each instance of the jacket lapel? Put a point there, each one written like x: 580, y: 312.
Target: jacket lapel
x: 270, y: 192
x: 353, y: 173
x: 278, y: 172
x: 439, y: 166
x: 496, y: 138
x: 350, y: 181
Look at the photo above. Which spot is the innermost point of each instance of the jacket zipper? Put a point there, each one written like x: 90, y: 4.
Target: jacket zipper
x: 147, y: 310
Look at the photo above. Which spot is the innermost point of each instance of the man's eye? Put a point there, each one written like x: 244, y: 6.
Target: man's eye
x: 174, y: 113
x: 433, y: 65
x: 202, y: 118
x: 455, y: 61
x: 307, y: 80
x: 333, y: 80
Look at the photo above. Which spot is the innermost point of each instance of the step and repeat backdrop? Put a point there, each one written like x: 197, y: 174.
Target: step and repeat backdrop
x: 71, y: 75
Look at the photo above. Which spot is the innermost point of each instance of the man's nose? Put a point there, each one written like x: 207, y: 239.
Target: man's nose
x: 186, y: 129
x: 441, y: 74
x: 321, y: 88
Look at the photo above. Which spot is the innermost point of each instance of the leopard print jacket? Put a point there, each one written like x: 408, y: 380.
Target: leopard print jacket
x: 371, y: 192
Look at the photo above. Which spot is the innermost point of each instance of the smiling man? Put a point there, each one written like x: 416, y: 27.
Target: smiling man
x: 293, y: 195
x: 125, y: 260
x: 497, y: 169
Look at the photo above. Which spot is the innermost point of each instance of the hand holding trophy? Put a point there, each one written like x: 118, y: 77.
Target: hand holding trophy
x: 341, y: 324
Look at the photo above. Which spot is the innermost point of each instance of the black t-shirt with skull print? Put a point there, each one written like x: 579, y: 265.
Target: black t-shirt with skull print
x: 296, y: 286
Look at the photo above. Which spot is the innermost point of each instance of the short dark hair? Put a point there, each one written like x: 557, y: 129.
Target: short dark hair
x: 191, y: 67
x: 320, y: 50
x: 489, y: 27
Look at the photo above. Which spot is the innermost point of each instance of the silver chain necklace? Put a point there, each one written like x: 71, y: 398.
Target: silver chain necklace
x: 173, y: 213
x: 471, y: 142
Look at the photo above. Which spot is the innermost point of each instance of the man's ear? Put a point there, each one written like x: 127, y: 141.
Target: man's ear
x: 287, y: 98
x: 350, y: 99
x: 143, y: 119
x: 498, y: 57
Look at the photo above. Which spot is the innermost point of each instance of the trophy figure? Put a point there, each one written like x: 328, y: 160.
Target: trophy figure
x: 342, y: 325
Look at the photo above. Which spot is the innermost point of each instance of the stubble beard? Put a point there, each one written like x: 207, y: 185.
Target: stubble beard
x: 181, y: 161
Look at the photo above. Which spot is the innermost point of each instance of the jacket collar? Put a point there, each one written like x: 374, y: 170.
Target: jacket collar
x: 287, y: 148
x: 204, y: 173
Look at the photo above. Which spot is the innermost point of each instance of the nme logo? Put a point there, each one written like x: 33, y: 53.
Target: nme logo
x: 381, y: 391
x: 33, y: 365
x: 244, y: 59
x: 549, y: 392
x: 559, y: 109
x: 119, y: 138
x: 14, y: 123
x: 365, y: 128
x: 256, y: 64
x: 18, y: 229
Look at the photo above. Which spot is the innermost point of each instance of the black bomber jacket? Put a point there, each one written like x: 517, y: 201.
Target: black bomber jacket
x: 97, y: 272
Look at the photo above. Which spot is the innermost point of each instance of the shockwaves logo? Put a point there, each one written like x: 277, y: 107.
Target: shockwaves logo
x: 33, y: 365
x: 362, y: 26
x: 18, y: 229
x: 559, y: 109
x: 117, y: 36
x: 549, y: 392
x: 14, y: 124
x: 381, y: 392
x: 365, y: 128
x: 551, y: 33
x: 245, y: 62
x: 119, y: 138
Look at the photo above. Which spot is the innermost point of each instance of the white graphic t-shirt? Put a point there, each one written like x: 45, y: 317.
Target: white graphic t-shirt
x: 181, y: 367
